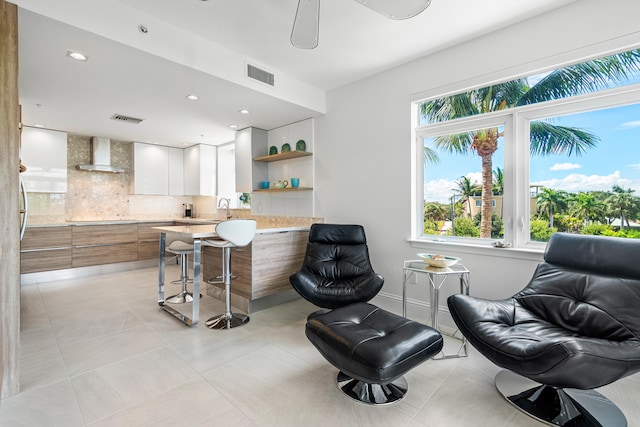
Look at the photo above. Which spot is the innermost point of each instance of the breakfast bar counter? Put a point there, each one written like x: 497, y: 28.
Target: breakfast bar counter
x: 262, y: 268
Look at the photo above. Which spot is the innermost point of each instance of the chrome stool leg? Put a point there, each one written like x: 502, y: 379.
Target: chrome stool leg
x: 227, y: 320
x: 184, y: 296
x: 184, y: 272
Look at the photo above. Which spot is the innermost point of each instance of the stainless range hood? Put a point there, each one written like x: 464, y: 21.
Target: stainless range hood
x: 100, y: 157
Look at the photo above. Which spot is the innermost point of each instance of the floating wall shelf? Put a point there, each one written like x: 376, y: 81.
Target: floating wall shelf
x: 283, y: 156
x: 276, y: 190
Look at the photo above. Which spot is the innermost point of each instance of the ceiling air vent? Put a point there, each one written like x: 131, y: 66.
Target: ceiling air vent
x: 125, y: 119
x: 260, y: 75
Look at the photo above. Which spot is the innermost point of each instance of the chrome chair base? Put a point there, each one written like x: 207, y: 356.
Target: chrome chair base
x: 181, y: 298
x: 566, y: 407
x: 372, y: 394
x: 224, y: 321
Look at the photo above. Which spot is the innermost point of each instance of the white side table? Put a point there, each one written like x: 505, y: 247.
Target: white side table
x: 437, y: 277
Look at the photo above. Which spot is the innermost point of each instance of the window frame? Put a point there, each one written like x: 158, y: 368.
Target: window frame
x: 516, y: 122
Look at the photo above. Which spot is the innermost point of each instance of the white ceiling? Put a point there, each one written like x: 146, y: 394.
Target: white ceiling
x: 123, y: 77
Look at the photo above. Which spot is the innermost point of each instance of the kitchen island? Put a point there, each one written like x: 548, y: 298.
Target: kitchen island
x: 262, y: 268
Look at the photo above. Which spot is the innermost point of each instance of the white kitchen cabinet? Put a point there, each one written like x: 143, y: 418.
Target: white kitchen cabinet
x: 150, y: 169
x: 44, y: 153
x: 200, y: 170
x: 176, y: 171
x: 250, y: 143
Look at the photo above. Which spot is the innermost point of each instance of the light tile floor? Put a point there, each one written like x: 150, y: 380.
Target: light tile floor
x: 98, y: 351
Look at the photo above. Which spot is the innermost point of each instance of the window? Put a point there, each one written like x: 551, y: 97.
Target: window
x: 479, y: 202
x: 548, y: 159
x: 597, y: 192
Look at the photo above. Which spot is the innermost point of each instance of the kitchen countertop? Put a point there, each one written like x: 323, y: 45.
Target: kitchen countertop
x: 265, y: 224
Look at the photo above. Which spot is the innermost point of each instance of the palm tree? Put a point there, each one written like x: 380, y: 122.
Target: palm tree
x: 546, y: 138
x: 498, y: 182
x: 587, y: 207
x: 624, y: 202
x: 550, y: 201
x: 466, y: 189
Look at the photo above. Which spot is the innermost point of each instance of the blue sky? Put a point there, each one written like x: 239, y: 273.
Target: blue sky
x: 615, y: 160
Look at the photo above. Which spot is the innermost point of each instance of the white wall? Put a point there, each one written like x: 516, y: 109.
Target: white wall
x: 363, y: 144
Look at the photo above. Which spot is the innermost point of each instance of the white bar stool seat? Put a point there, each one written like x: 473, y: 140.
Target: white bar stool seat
x: 231, y: 234
x: 183, y: 249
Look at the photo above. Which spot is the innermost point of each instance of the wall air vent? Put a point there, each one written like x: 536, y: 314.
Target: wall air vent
x: 126, y: 119
x: 260, y: 75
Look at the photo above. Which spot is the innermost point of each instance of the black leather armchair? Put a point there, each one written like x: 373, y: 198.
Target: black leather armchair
x: 574, y: 327
x: 336, y: 270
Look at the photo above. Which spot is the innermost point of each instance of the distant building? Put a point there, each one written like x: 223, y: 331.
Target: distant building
x: 496, y: 205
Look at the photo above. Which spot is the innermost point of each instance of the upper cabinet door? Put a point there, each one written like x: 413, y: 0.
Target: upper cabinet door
x: 176, y: 171
x: 44, y: 153
x: 151, y: 169
x: 200, y: 170
x: 250, y: 143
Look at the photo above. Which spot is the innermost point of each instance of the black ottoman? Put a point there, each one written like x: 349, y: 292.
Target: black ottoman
x: 372, y: 348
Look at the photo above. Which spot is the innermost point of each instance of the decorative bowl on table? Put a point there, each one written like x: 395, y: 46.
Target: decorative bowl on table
x: 438, y: 261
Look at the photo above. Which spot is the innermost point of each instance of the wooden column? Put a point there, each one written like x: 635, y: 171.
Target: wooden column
x: 9, y: 203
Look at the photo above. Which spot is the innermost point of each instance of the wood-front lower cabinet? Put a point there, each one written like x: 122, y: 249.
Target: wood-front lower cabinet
x: 45, y: 249
x: 148, y: 239
x: 262, y: 268
x: 104, y: 244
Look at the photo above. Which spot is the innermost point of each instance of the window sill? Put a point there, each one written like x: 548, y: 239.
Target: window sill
x: 485, y: 249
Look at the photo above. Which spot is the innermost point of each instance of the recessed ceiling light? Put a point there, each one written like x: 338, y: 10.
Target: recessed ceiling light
x: 192, y: 97
x: 233, y: 126
x: 77, y: 55
x: 244, y: 111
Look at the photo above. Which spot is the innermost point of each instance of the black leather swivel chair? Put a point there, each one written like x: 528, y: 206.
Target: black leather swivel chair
x: 574, y: 327
x: 336, y: 270
x: 371, y: 347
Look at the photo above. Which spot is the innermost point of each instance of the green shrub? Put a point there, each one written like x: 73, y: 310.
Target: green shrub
x: 597, y: 229
x: 465, y: 227
x: 431, y: 227
x: 540, y: 230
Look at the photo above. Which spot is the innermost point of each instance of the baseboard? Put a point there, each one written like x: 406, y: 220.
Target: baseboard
x: 79, y: 272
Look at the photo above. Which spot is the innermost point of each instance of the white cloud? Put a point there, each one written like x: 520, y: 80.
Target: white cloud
x: 565, y: 166
x: 634, y: 166
x: 474, y: 177
x: 579, y: 182
x: 632, y: 124
x: 439, y: 190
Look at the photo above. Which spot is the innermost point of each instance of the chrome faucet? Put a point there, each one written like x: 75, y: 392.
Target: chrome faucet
x: 224, y: 203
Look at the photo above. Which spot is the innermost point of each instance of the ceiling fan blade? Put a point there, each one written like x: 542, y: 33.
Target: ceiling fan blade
x: 305, y: 26
x: 397, y: 9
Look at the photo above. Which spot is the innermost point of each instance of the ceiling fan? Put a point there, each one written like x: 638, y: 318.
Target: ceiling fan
x: 305, y: 26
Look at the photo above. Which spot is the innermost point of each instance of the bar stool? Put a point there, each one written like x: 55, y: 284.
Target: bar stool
x: 183, y: 249
x: 231, y: 234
